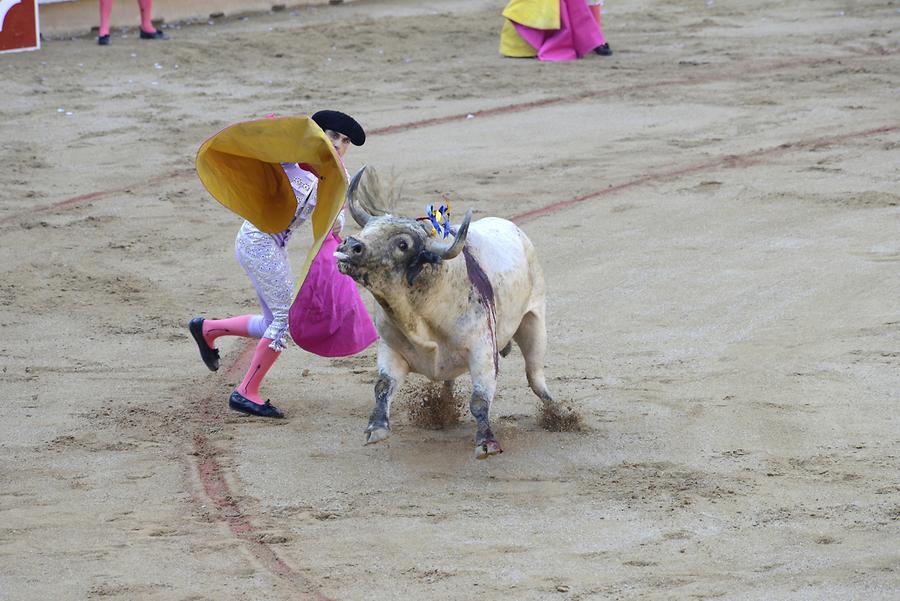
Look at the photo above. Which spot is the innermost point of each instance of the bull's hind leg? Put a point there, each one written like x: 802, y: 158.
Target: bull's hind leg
x: 392, y: 370
x: 532, y: 340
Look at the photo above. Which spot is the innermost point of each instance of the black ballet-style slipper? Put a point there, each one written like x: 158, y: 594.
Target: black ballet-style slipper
x: 156, y: 35
x: 209, y: 355
x: 103, y: 40
x: 239, y: 402
x: 603, y: 50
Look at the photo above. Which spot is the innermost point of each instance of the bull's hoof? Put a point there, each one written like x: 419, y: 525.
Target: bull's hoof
x: 377, y: 435
x: 487, y: 448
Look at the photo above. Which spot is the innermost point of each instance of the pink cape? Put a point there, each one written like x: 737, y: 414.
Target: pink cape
x: 578, y: 34
x: 328, y: 316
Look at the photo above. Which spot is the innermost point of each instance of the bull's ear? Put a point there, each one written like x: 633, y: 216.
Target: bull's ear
x: 426, y: 257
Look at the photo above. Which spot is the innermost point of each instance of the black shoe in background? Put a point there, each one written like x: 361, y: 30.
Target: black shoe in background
x: 156, y: 35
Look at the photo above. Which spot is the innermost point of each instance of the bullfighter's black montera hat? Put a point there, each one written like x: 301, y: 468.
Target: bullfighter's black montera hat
x: 341, y: 123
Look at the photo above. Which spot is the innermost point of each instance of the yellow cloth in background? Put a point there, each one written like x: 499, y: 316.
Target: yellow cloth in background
x: 537, y: 14
x: 241, y: 167
x: 512, y: 44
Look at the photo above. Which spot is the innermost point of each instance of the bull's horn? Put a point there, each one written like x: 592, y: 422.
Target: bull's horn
x: 450, y: 250
x: 359, y: 214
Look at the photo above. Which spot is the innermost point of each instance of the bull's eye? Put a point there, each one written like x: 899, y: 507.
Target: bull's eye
x: 402, y: 245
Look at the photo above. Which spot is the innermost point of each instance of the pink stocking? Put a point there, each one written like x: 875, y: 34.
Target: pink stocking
x: 146, y: 12
x: 263, y: 359
x: 233, y: 326
x: 105, y: 10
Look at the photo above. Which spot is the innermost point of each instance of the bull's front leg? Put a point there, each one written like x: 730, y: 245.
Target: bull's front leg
x: 392, y: 370
x: 483, y: 370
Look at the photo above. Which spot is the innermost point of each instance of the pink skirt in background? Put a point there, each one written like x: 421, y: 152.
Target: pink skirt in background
x: 578, y: 34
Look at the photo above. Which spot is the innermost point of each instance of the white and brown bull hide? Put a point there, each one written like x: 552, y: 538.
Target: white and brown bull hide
x: 445, y: 308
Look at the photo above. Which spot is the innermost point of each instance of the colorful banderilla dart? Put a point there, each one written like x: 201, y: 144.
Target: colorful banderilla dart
x: 445, y: 215
x: 431, y: 214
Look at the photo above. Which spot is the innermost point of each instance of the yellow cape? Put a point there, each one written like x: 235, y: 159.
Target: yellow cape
x: 241, y: 167
x: 537, y: 14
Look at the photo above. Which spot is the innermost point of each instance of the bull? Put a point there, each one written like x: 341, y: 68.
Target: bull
x: 447, y: 306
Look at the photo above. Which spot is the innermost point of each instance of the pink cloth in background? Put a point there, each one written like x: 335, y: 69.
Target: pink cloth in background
x: 328, y: 316
x: 577, y: 35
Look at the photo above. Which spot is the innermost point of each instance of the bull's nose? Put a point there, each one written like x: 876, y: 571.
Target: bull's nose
x: 350, y: 247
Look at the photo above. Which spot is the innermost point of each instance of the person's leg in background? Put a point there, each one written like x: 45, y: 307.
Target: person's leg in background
x: 596, y: 7
x: 148, y: 31
x: 103, y: 34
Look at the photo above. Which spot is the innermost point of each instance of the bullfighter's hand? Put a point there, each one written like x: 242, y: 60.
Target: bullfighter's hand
x: 338, y: 226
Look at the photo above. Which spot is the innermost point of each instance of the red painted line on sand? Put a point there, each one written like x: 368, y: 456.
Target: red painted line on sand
x: 210, y: 471
x: 509, y: 108
x: 215, y: 486
x: 83, y: 198
x: 727, y: 161
x: 764, y: 69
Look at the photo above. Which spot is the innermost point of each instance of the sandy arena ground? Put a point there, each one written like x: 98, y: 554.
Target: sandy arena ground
x: 717, y: 209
